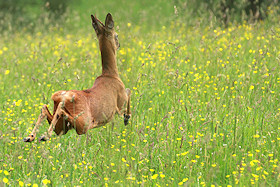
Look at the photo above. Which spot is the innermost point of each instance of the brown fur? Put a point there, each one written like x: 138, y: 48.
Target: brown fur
x: 96, y: 106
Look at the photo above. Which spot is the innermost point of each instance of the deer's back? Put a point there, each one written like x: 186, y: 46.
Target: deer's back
x: 104, y: 97
x: 98, y: 103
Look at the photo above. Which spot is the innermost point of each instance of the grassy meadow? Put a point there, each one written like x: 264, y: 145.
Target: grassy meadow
x: 205, y: 103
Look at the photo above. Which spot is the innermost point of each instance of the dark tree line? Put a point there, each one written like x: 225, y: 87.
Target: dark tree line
x: 227, y: 11
x: 55, y: 6
x: 18, y: 14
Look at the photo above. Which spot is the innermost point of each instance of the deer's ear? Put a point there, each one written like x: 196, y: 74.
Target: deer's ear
x: 109, y: 23
x: 95, y: 25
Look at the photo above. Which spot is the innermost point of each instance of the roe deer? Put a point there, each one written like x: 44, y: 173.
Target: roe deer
x: 96, y: 106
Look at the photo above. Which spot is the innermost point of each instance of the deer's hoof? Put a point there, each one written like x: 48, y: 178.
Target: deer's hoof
x: 30, y: 138
x: 43, y: 138
x: 126, y: 118
x: 27, y: 139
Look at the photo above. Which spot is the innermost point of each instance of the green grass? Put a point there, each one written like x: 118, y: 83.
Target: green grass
x: 205, y: 106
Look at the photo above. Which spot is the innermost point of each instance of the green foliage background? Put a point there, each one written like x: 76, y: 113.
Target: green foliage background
x: 205, y: 94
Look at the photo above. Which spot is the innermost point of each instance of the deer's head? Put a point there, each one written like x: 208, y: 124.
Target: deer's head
x: 106, y: 33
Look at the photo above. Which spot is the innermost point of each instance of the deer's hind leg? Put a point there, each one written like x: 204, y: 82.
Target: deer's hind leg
x: 45, y: 114
x: 59, y: 120
x: 127, y: 114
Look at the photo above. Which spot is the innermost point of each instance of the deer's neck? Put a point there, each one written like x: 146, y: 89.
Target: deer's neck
x: 109, y: 61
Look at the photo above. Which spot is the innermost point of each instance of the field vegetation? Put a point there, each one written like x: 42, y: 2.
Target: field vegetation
x: 205, y: 99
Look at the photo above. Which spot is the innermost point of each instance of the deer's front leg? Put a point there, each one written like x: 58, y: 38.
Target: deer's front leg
x: 127, y: 114
x: 45, y: 113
